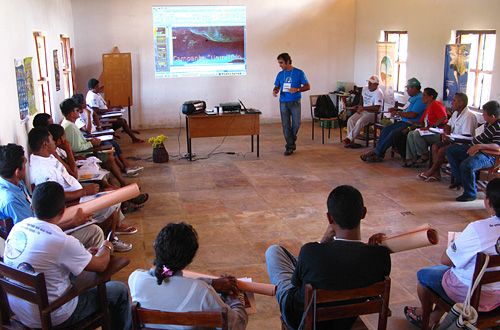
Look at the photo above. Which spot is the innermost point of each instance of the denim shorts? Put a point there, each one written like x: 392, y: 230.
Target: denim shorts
x: 431, y: 277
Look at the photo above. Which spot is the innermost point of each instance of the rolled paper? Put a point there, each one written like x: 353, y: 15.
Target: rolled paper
x: 421, y: 236
x: 260, y: 288
x: 106, y: 200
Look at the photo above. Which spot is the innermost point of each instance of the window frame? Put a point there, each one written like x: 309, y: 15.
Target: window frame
x: 67, y: 67
x: 43, y: 71
x: 477, y: 71
x: 398, y: 62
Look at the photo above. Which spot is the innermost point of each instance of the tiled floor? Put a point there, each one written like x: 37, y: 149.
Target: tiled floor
x: 240, y: 204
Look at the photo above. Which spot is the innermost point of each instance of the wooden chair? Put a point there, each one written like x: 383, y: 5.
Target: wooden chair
x: 485, y: 320
x: 490, y: 173
x: 312, y: 103
x: 141, y: 316
x: 375, y: 299
x: 5, y: 227
x: 32, y: 288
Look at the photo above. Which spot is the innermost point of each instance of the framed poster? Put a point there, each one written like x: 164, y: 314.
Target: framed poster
x: 456, y: 67
x: 30, y: 86
x: 57, y: 75
x: 386, y: 60
x: 22, y: 91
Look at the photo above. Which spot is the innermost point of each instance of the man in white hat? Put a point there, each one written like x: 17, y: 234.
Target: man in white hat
x: 373, y: 98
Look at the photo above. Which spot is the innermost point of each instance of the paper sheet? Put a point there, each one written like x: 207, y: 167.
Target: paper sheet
x: 88, y: 223
x: 421, y: 236
x: 424, y: 132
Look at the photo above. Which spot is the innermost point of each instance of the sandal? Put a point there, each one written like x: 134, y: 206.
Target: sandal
x: 125, y: 230
x: 128, y: 207
x: 423, y: 176
x: 364, y: 157
x: 412, y: 317
x: 432, y: 179
x: 139, y: 200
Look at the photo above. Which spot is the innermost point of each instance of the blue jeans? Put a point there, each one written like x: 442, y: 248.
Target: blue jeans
x: 290, y: 120
x: 432, y: 277
x: 464, y: 167
x: 387, y: 135
x: 118, y: 306
x: 280, y: 267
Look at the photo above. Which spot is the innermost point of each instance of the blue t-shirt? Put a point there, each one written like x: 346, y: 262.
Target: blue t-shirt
x: 14, y: 201
x: 295, y: 78
x: 416, y: 105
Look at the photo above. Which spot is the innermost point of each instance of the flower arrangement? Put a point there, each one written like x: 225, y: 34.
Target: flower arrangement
x: 157, y: 141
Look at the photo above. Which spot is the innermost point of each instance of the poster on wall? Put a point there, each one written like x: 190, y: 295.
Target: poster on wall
x: 30, y: 86
x: 386, y: 59
x: 57, y: 76
x: 456, y: 67
x: 22, y: 91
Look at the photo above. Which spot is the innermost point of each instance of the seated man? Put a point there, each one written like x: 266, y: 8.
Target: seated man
x: 98, y: 105
x: 45, y: 167
x: 164, y: 288
x: 42, y: 120
x: 373, y: 98
x: 15, y: 199
x: 452, y: 279
x: 434, y: 116
x: 411, y: 114
x: 50, y: 251
x: 465, y: 159
x: 462, y: 122
x: 78, y: 143
x: 339, y: 262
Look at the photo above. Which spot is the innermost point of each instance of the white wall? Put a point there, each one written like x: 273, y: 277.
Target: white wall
x: 429, y: 24
x: 318, y: 34
x: 18, y: 20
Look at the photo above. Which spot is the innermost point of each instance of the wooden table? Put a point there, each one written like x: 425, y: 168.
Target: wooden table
x: 225, y: 124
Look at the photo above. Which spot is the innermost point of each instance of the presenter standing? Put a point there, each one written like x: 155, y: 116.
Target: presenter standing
x: 289, y: 83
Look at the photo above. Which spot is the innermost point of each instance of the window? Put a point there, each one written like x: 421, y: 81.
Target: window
x: 43, y: 72
x: 401, y: 40
x: 482, y: 54
x: 67, y: 68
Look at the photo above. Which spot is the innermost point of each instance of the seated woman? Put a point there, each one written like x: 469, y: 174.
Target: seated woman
x: 452, y: 279
x: 434, y: 116
x: 164, y: 288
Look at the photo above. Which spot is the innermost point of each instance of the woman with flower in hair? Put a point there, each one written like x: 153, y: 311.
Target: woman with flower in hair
x: 164, y: 287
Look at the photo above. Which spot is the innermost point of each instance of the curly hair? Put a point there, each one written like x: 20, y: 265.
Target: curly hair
x: 175, y: 247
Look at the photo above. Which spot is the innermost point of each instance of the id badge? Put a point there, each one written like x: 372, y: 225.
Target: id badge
x: 286, y: 87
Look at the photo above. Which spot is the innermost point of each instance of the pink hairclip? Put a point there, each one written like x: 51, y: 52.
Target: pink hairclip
x: 167, y: 272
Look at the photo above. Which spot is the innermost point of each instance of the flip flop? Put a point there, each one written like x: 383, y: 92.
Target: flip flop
x: 432, y: 179
x: 130, y: 207
x: 423, y: 176
x: 413, y: 318
x: 355, y: 146
x: 126, y: 230
x: 141, y: 199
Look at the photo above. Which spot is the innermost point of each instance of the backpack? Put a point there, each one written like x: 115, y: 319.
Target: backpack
x: 325, y: 107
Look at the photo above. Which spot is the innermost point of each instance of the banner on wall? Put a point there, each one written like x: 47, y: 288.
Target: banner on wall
x: 22, y: 91
x: 456, y: 67
x: 57, y: 76
x: 386, y: 60
x: 30, y: 86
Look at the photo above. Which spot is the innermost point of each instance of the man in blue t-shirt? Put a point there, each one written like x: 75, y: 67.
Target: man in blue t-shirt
x: 410, y: 114
x: 289, y: 83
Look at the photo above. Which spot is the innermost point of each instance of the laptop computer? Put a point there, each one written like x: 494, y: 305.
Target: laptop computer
x: 248, y: 110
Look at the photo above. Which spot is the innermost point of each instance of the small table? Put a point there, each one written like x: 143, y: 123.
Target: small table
x: 224, y: 124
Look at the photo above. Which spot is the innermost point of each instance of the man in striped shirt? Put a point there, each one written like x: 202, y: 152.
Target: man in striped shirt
x: 465, y: 160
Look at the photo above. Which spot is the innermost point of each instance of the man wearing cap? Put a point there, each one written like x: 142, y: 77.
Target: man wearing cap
x: 373, y: 98
x: 409, y: 114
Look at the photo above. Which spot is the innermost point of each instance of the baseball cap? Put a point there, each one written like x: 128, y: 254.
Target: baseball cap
x: 373, y: 79
x: 413, y: 82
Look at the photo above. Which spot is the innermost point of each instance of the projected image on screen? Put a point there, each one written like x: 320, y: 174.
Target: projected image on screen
x: 193, y: 41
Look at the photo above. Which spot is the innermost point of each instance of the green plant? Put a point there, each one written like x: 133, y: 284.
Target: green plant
x: 157, y: 141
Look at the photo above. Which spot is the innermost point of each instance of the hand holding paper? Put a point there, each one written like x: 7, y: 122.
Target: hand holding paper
x: 421, y: 236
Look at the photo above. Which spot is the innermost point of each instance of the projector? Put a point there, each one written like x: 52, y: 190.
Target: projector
x: 230, y: 107
x: 191, y: 107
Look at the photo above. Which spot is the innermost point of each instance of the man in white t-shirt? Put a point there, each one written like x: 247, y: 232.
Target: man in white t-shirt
x: 373, y: 99
x: 452, y: 279
x: 38, y: 245
x: 45, y: 167
x: 96, y: 102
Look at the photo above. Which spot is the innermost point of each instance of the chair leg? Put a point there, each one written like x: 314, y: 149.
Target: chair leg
x: 312, y: 129
x: 323, y: 134
x: 329, y: 129
x: 367, y: 135
x: 340, y: 128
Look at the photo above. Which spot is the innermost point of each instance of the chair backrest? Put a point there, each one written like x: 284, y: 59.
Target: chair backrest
x: 312, y: 103
x: 26, y: 286
x: 488, y: 277
x: 143, y: 316
x: 5, y: 227
x: 349, y: 303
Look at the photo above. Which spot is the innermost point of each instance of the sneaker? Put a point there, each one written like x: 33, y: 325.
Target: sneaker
x: 126, y: 230
x: 133, y: 170
x: 137, y: 168
x: 288, y: 152
x: 121, y: 246
x: 131, y: 175
x: 465, y: 198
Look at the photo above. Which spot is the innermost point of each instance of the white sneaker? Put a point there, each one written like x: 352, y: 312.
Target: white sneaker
x: 121, y: 246
x: 134, y: 170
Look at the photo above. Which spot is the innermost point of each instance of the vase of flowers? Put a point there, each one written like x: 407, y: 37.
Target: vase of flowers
x: 160, y: 154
